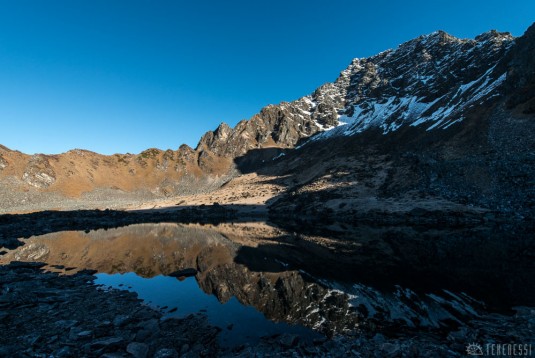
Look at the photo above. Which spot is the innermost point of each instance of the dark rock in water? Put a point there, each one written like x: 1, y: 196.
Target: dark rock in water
x: 138, y: 350
x: 188, y: 272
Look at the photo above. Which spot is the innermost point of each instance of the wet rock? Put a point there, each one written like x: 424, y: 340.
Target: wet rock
x: 459, y: 335
x: 138, y: 350
x: 310, y: 350
x: 81, y: 323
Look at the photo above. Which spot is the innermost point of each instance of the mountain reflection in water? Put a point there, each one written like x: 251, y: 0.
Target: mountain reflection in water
x: 254, y: 279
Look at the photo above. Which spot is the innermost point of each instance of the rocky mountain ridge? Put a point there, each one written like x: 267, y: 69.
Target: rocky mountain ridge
x: 430, y: 90
x: 432, y: 79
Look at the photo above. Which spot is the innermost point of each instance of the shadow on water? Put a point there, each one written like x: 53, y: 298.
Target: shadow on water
x: 328, y: 281
x: 492, y: 265
x: 15, y: 226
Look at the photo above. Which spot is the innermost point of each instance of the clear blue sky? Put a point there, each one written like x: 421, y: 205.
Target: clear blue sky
x: 123, y: 76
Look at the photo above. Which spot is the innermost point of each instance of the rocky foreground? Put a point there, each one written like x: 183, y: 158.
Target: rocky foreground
x: 44, y: 314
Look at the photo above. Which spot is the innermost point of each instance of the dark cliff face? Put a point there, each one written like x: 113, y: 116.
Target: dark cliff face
x: 520, y: 84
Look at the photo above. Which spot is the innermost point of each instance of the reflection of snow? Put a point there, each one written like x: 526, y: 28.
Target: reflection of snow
x: 404, y: 305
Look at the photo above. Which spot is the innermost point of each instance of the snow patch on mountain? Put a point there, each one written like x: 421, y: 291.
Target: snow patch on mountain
x: 430, y: 81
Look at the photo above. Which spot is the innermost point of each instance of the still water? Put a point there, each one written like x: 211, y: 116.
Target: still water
x: 254, y: 279
x: 240, y: 323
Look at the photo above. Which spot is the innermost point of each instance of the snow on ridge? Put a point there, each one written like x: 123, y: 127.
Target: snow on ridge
x: 394, y: 112
x: 419, y: 83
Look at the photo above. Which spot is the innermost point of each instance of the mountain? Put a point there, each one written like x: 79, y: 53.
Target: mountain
x: 80, y: 178
x: 437, y: 123
x: 430, y: 81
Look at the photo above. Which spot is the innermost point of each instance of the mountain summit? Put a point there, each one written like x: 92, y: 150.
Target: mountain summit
x: 431, y: 81
x: 438, y: 119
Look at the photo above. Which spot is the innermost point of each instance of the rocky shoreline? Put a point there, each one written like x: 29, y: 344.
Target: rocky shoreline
x: 44, y: 314
x: 47, y: 315
x: 15, y: 226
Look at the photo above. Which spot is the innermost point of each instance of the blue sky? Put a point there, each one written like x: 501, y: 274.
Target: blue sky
x: 123, y: 76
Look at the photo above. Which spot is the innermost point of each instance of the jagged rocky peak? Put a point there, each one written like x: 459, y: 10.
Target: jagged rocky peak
x: 494, y: 36
x: 223, y: 131
x: 275, y: 126
x: 184, y: 148
x: 430, y: 81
